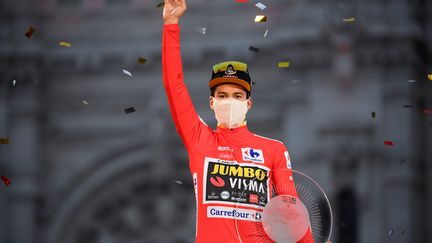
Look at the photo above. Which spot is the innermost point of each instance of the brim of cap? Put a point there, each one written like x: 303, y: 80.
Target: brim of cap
x: 217, y: 81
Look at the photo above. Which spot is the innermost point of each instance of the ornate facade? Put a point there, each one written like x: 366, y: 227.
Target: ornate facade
x: 84, y: 171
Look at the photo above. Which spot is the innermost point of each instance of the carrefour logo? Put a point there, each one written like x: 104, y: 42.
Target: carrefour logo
x: 254, y: 155
x: 233, y: 213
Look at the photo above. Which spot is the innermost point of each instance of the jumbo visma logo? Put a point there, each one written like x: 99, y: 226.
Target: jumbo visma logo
x: 239, y: 171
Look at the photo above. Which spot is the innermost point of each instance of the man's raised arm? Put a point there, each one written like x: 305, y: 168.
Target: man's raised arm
x: 188, y: 124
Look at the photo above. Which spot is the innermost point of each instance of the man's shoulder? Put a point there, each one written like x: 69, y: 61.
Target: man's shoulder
x: 270, y: 141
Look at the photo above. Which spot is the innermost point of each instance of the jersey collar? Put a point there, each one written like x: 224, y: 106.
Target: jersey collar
x: 242, y: 127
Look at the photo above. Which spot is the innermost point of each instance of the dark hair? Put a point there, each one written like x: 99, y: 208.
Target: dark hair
x: 212, y: 91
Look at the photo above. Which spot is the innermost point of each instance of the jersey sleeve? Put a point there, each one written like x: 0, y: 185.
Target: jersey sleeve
x: 284, y: 182
x: 192, y: 130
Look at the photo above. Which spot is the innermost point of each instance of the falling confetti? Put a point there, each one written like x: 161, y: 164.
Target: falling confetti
x: 295, y: 81
x: 242, y: 1
x: 265, y: 33
x: 160, y: 5
x: 427, y: 111
x: 127, y: 72
x: 201, y: 30
x: 373, y: 114
x: 260, y: 5
x: 390, y: 233
x: 85, y: 102
x: 65, y: 44
x: 4, y: 141
x: 30, y: 32
x: 430, y: 76
x: 283, y: 64
x: 388, y: 143
x: 129, y: 110
x: 141, y: 60
x: 6, y: 180
x: 13, y: 82
x: 260, y: 18
x: 253, y: 48
x: 411, y: 81
x: 352, y: 19
x: 178, y: 182
x: 408, y: 106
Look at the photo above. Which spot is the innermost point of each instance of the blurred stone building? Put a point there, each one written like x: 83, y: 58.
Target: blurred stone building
x: 82, y: 170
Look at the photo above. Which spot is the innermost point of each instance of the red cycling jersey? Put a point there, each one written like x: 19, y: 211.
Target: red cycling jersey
x: 225, y: 164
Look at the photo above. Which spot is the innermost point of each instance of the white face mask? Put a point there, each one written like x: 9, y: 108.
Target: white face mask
x: 230, y: 112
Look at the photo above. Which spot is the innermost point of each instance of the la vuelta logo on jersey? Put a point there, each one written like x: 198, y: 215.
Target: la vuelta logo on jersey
x: 254, y: 155
x: 229, y: 182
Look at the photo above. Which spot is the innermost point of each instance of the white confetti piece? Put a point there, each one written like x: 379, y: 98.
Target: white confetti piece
x: 201, y: 30
x: 13, y: 82
x: 178, y: 182
x: 390, y: 233
x: 411, y: 81
x: 260, y: 5
x: 266, y: 32
x: 296, y: 81
x: 127, y: 72
x: 85, y: 102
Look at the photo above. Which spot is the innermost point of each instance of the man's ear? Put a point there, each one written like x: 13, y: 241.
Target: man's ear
x: 249, y: 103
x: 211, y: 102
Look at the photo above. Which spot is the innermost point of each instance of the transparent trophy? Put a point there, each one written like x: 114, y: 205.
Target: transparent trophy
x: 283, y: 213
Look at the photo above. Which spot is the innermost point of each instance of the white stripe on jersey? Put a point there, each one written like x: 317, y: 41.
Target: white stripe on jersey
x: 268, y: 138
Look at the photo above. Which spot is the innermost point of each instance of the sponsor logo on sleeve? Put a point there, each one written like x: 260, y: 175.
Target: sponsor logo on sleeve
x: 253, y: 155
x: 288, y: 159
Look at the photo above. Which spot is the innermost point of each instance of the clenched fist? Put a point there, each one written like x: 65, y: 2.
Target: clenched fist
x: 173, y: 10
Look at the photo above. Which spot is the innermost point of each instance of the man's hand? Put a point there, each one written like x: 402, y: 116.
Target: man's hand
x: 173, y: 10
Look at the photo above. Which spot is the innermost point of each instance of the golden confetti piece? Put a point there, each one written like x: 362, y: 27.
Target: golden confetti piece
x: 85, y: 102
x: 4, y: 141
x: 30, y: 32
x: 142, y: 60
x: 283, y: 64
x: 260, y: 18
x: 352, y: 19
x: 160, y: 5
x: 65, y: 44
x: 430, y: 77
